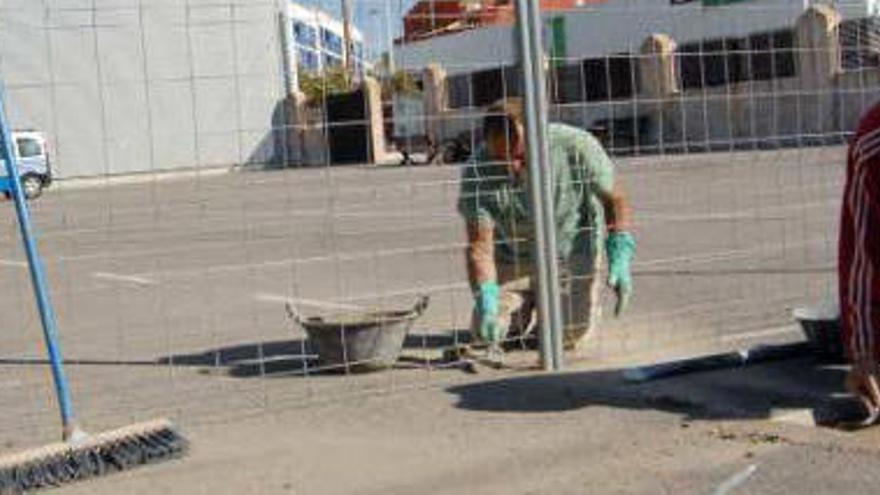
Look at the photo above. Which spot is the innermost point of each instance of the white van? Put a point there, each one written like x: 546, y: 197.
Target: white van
x: 34, y: 166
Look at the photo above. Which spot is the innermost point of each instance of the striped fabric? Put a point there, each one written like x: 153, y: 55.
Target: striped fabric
x: 859, y: 246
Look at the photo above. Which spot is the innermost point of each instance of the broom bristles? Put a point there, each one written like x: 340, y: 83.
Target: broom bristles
x: 104, y: 453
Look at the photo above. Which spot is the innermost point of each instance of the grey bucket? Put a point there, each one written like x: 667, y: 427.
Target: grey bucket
x: 360, y: 341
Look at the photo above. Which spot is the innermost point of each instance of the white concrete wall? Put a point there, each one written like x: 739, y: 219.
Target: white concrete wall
x: 143, y: 85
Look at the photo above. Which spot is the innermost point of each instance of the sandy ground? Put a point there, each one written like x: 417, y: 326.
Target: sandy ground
x: 576, y: 433
x: 170, y: 298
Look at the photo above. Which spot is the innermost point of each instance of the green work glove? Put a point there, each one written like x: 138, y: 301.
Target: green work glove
x: 487, y: 309
x: 620, y: 248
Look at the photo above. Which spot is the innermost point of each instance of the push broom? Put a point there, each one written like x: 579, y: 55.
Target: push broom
x: 79, y: 455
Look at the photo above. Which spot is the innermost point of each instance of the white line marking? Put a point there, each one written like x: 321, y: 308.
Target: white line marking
x: 13, y: 264
x: 771, y: 332
x: 139, y: 178
x: 744, y: 214
x: 414, y: 291
x: 12, y: 384
x: 288, y: 262
x: 132, y: 279
x: 274, y: 298
x: 347, y: 305
x: 731, y: 254
x: 707, y: 256
x: 736, y: 480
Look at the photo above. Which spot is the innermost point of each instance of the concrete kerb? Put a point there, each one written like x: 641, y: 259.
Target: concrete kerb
x: 391, y: 160
x: 785, y: 384
x: 798, y: 391
x: 75, y: 183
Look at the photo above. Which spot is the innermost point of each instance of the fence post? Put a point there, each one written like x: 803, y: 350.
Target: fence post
x: 818, y: 55
x: 528, y: 17
x: 819, y: 62
x: 658, y: 84
x: 434, y: 77
x: 375, y: 120
x: 657, y: 67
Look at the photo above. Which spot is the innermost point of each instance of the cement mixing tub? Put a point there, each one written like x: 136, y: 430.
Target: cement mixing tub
x: 360, y: 342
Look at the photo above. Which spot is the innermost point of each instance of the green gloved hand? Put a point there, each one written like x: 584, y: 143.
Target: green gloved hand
x: 487, y: 307
x: 620, y: 248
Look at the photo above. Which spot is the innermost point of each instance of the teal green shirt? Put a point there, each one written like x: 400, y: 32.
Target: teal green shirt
x: 491, y: 197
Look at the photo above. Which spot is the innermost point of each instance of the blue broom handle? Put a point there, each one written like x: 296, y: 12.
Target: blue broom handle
x: 38, y: 275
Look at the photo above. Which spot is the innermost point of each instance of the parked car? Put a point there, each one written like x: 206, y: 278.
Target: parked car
x: 34, y: 167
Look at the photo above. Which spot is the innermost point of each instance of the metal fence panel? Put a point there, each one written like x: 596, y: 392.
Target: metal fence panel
x: 196, y: 193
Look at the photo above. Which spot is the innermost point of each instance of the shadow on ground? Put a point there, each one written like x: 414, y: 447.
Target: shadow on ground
x: 285, y: 358
x: 281, y: 358
x: 769, y: 390
x: 289, y: 357
x: 777, y: 389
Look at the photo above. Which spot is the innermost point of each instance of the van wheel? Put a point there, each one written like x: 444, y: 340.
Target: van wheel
x: 31, y: 186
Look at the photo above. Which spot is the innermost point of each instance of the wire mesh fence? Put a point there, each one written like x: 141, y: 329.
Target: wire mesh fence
x: 227, y: 172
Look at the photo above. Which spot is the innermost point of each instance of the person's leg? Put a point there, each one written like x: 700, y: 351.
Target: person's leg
x: 858, y: 256
x: 865, y: 385
x: 581, y: 308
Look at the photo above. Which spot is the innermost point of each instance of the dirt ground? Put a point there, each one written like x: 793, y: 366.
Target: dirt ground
x: 527, y: 433
x: 170, y: 298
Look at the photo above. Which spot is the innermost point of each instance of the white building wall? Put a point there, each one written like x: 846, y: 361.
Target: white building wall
x: 620, y: 26
x: 138, y: 86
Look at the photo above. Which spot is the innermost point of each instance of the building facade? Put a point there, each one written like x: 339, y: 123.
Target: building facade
x: 317, y: 40
x: 143, y: 87
x: 431, y: 18
x: 719, y: 55
x: 463, y: 42
x: 594, y: 45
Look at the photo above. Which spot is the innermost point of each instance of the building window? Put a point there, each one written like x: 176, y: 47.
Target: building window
x: 567, y: 84
x: 488, y: 86
x: 710, y: 63
x: 484, y: 87
x: 771, y: 55
x: 305, y: 35
x: 331, y: 60
x: 309, y: 60
x: 459, y: 91
x: 513, y: 81
x: 609, y: 78
x: 331, y: 41
x: 760, y: 57
x: 860, y: 43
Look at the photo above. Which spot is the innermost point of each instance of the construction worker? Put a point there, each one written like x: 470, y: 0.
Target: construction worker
x: 588, y: 203
x: 859, y: 263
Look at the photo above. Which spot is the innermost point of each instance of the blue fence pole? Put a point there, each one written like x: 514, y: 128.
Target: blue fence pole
x: 38, y: 275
